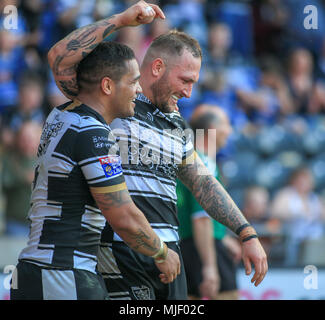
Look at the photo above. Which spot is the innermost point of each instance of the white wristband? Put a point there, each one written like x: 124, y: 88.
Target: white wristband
x: 160, y: 251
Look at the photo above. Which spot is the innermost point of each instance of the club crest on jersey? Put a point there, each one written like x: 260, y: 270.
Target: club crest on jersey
x: 141, y: 293
x: 111, y: 165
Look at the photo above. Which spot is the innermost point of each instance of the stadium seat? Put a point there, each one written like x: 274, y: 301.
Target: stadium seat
x: 312, y: 252
x: 313, y: 141
x: 239, y: 170
x: 317, y: 167
x: 273, y: 139
x: 271, y: 174
x: 290, y: 160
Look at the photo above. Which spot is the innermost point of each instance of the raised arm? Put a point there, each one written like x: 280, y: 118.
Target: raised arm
x: 132, y: 226
x: 218, y: 204
x: 65, y: 55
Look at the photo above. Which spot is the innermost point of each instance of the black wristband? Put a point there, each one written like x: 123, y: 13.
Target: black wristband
x: 241, y: 228
x: 249, y: 237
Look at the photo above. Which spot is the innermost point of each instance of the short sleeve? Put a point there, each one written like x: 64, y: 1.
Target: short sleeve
x: 97, y: 155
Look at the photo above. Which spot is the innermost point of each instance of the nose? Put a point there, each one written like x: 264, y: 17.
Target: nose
x: 187, y: 91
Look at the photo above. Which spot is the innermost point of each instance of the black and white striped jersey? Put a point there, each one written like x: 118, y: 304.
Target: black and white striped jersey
x: 152, y: 146
x: 77, y: 153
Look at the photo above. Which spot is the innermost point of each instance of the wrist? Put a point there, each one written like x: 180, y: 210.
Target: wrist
x: 207, y: 269
x: 117, y: 20
x: 246, y: 232
x: 161, y: 255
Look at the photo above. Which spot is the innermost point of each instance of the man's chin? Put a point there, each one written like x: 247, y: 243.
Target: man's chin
x: 130, y: 113
x: 168, y: 108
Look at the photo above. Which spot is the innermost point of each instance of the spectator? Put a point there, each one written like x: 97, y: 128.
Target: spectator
x: 18, y: 174
x: 307, y: 93
x: 210, y: 256
x: 270, y: 22
x: 238, y: 15
x: 188, y: 16
x: 54, y: 97
x: 11, y: 66
x: 271, y: 100
x: 74, y: 14
x: 155, y: 29
x: 256, y: 210
x: 216, y: 90
x: 301, y: 212
x: 219, y: 53
x: 135, y: 39
x: 2, y: 213
x: 29, y: 108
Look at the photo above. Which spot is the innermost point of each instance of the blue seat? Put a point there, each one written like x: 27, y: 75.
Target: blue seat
x: 239, y: 170
x: 273, y: 139
x: 317, y: 167
x: 313, y: 141
x: 271, y: 174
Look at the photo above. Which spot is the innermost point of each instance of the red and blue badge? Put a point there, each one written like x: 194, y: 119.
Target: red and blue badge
x: 111, y: 165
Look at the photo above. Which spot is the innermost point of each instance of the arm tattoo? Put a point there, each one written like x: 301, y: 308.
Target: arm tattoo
x: 107, y: 201
x: 141, y: 240
x: 108, y: 30
x: 138, y: 240
x: 77, y: 45
x: 211, y: 195
x: 70, y: 87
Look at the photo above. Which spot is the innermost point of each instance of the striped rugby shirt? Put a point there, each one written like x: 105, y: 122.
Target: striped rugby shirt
x: 152, y: 146
x: 77, y: 152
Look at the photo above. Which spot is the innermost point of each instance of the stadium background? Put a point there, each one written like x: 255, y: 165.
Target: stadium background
x: 262, y: 64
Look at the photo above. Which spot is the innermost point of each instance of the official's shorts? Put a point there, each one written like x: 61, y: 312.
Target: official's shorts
x: 193, y: 267
x: 31, y: 282
x: 129, y: 275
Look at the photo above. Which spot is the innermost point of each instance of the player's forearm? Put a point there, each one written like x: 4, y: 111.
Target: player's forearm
x: 65, y: 55
x: 211, y: 195
x: 137, y: 232
x: 128, y: 222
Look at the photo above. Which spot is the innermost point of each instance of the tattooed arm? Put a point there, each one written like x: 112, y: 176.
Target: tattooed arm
x: 218, y: 204
x: 124, y: 217
x: 210, y: 194
x: 132, y: 226
x: 64, y: 56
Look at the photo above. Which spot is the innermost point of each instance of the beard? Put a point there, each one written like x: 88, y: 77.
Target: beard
x: 161, y: 93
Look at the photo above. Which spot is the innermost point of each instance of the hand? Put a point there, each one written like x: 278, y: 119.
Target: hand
x: 140, y: 13
x: 170, y: 268
x: 210, y: 285
x: 253, y: 252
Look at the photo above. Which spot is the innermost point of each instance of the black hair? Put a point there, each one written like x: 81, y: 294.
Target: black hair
x: 107, y: 59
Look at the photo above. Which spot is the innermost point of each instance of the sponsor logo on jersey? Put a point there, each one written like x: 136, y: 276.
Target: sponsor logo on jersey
x: 111, y: 165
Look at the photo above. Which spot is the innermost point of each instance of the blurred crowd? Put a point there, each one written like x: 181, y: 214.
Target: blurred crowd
x: 260, y: 65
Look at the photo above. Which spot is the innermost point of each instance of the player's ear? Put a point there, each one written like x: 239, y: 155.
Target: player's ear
x: 158, y: 67
x: 107, y: 85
